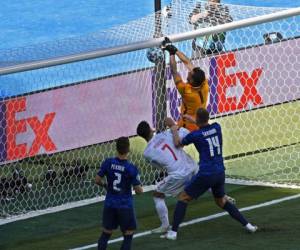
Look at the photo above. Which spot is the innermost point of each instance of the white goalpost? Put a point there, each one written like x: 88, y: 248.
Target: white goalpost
x: 64, y: 103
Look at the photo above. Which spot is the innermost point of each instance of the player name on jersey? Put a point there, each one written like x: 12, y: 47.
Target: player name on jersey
x: 209, y: 132
x: 117, y: 167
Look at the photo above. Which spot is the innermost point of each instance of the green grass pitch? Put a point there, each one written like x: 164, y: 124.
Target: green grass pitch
x: 279, y: 227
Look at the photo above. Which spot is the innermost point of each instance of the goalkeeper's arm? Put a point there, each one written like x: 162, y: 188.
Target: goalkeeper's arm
x: 167, y: 45
x: 174, y: 71
x: 186, y: 61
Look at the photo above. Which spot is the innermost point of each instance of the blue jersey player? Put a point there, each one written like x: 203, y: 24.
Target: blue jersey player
x: 121, y: 176
x: 208, y: 142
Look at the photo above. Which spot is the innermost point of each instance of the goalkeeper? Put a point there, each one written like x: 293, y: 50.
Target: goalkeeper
x: 194, y: 92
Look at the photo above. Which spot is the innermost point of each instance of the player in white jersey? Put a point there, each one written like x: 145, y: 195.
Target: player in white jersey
x: 162, y: 153
x: 180, y: 167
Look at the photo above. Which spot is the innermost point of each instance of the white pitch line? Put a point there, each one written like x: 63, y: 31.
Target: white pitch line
x: 210, y: 217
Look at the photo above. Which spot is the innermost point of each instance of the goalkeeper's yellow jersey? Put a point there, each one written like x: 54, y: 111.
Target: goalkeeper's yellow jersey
x: 193, y: 98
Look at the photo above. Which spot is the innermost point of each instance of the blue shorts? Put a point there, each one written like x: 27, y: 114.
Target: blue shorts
x: 201, y: 183
x: 114, y: 217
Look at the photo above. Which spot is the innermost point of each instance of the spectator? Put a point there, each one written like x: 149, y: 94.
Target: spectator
x: 214, y: 13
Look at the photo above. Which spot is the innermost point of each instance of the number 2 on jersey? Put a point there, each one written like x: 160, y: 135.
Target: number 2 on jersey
x: 166, y: 146
x: 213, y: 142
x: 117, y: 181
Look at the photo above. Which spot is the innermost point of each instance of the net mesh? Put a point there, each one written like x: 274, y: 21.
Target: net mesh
x: 59, y: 123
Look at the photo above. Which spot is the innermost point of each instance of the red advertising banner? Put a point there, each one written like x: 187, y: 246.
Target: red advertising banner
x: 76, y: 116
x: 102, y: 110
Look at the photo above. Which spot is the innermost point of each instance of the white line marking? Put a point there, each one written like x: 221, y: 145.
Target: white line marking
x: 210, y: 217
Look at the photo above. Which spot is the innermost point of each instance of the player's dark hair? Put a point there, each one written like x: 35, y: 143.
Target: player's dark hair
x: 198, y: 76
x: 202, y: 116
x: 123, y: 145
x: 143, y: 130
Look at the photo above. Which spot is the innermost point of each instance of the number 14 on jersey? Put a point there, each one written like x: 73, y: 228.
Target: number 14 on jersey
x: 213, y: 143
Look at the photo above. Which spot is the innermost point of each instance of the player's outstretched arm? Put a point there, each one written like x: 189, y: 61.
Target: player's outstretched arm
x: 186, y: 61
x: 172, y: 125
x: 138, y: 189
x: 176, y: 138
x: 173, y: 66
x: 169, y: 122
x: 168, y: 46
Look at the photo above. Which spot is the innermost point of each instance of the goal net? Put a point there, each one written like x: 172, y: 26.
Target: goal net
x: 58, y: 123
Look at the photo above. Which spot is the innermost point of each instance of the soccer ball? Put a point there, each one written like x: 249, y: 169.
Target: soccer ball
x: 155, y: 55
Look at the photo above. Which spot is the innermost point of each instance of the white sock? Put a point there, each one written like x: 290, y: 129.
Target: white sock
x: 162, y: 211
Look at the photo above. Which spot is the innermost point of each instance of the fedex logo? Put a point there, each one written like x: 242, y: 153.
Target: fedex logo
x: 229, y: 92
x: 221, y: 83
x: 12, y: 128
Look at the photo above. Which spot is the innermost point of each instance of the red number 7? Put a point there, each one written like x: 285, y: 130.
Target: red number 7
x: 166, y: 146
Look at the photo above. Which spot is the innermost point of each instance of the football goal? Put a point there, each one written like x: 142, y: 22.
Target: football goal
x: 64, y: 103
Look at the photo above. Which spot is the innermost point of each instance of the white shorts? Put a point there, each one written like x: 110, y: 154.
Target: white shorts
x: 173, y: 185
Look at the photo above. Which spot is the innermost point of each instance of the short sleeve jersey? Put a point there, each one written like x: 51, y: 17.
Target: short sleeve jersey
x: 121, y: 175
x: 193, y: 98
x: 162, y: 152
x: 208, y: 142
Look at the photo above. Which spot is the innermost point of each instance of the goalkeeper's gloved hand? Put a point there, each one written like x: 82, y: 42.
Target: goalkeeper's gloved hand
x: 168, y: 46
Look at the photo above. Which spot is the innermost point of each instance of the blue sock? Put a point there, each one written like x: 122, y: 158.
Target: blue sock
x: 126, y: 245
x: 235, y: 213
x: 102, y: 242
x: 179, y: 214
